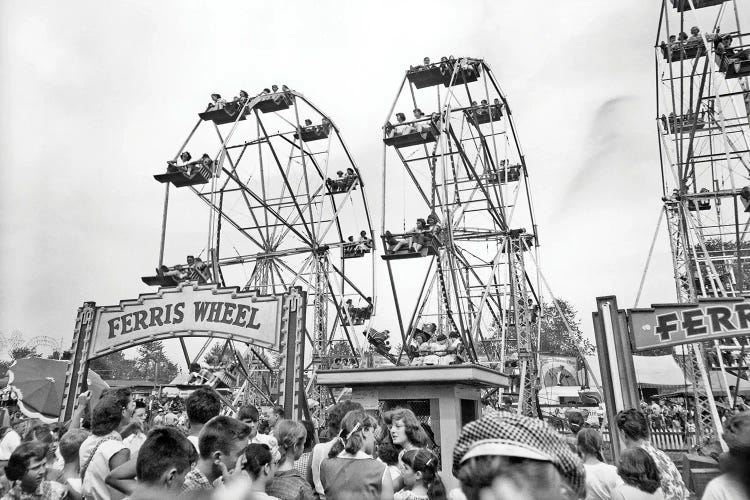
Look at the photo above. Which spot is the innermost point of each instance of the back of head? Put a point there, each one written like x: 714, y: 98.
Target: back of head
x: 220, y: 434
x: 590, y: 443
x: 248, y: 412
x: 40, y: 433
x: 633, y: 424
x: 165, y: 448
x: 290, y: 435
x: 639, y: 470
x: 70, y: 443
x: 257, y: 456
x: 388, y: 453
x: 19, y: 460
x: 425, y: 461
x: 336, y: 414
x: 106, y: 416
x: 203, y: 405
x: 575, y: 421
x: 311, y: 438
x: 351, y: 437
x: 736, y: 463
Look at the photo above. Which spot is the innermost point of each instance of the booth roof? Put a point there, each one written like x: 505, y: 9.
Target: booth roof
x: 650, y: 371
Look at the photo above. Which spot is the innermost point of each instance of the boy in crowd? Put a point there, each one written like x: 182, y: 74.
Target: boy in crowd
x: 201, y: 406
x: 163, y: 461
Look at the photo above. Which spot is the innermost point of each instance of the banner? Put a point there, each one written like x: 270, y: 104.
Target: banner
x: 190, y: 310
x: 557, y: 370
x: 665, y: 325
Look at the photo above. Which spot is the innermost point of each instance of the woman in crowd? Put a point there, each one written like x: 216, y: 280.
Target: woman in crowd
x: 287, y: 482
x: 303, y: 462
x: 260, y: 466
x: 421, y: 481
x: 406, y: 431
x: 635, y: 432
x: 601, y: 478
x: 350, y: 471
x: 641, y: 477
x: 734, y: 482
x: 42, y: 434
x: 26, y: 470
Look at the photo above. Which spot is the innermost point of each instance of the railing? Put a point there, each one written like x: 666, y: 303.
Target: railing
x: 666, y: 440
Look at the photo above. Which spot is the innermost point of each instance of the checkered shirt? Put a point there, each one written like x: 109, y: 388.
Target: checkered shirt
x: 526, y: 432
x: 195, y: 480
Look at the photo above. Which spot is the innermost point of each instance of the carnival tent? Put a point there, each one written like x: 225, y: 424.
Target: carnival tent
x: 650, y: 371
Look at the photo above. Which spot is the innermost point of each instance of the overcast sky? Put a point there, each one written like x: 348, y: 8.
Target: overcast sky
x: 96, y: 95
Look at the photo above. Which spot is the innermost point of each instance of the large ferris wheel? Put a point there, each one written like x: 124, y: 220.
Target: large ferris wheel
x: 286, y: 207
x: 703, y: 108
x: 460, y: 218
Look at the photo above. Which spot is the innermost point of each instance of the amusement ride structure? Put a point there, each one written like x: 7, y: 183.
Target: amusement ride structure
x: 703, y: 108
x: 460, y: 207
x: 287, y: 208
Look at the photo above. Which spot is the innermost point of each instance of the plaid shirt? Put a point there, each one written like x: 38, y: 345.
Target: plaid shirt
x: 195, y: 480
x: 289, y: 485
x: 47, y: 490
x: 672, y: 484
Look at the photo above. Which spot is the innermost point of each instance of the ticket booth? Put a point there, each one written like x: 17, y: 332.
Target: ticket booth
x: 443, y: 397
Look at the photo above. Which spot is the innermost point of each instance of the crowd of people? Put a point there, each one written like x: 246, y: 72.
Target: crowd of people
x: 426, y: 233
x: 360, y: 247
x: 447, y: 64
x: 238, y: 102
x: 429, y: 346
x: 194, y: 270
x: 421, y: 124
x: 358, y: 315
x: 112, y: 448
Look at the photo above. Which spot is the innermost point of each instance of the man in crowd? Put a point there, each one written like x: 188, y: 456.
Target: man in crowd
x: 201, y: 406
x: 221, y: 441
x: 163, y: 461
x: 273, y: 415
x: 249, y: 415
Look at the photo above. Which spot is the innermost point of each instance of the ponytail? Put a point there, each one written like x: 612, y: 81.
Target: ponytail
x: 426, y: 462
x: 351, y: 438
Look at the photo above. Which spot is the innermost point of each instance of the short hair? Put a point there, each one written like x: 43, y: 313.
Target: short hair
x: 388, y: 453
x: 535, y: 478
x: 248, y: 412
x: 164, y: 448
x: 257, y: 455
x: 19, y: 460
x: 203, y: 405
x: 339, y: 410
x: 279, y: 411
x: 633, y: 424
x: 70, y: 443
x: 106, y: 416
x: 39, y: 433
x: 289, y: 434
x: 220, y: 433
x: 414, y: 432
x: 639, y: 470
x: 123, y: 395
x: 353, y: 425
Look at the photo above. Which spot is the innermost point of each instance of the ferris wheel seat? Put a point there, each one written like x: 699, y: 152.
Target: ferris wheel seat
x: 163, y: 281
x: 423, y: 77
x: 685, y: 124
x: 463, y: 76
x: 352, y: 252
x: 733, y: 67
x: 274, y: 102
x: 683, y: 51
x: 412, y: 139
x: 313, y: 133
x: 683, y: 5
x: 481, y: 116
x: 220, y: 116
x: 178, y: 179
x: 505, y: 175
x: 701, y: 205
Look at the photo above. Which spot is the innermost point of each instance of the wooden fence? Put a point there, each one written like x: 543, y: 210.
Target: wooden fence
x: 666, y: 440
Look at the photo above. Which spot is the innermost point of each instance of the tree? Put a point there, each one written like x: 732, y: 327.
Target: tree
x: 555, y: 337
x: 217, y: 354
x: 153, y: 364
x: 24, y: 352
x: 113, y: 366
x: 4, y: 365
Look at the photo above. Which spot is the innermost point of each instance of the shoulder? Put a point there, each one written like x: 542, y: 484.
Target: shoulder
x: 53, y: 490
x: 722, y: 488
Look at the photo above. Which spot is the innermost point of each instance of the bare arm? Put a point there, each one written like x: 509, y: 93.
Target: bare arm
x: 122, y: 472
x: 386, y: 493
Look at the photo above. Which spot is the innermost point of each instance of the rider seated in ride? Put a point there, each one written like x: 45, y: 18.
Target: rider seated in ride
x: 395, y: 244
x: 401, y: 127
x: 418, y: 347
x: 216, y: 103
x: 418, y: 240
x: 364, y: 244
x: 424, y: 66
x: 336, y: 183
x: 180, y: 165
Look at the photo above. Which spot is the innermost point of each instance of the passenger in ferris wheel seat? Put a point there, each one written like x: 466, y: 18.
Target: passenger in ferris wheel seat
x: 745, y: 198
x: 216, y: 103
x: 395, y: 244
x: 179, y: 165
x: 417, y: 238
x: 695, y: 35
x: 364, y: 243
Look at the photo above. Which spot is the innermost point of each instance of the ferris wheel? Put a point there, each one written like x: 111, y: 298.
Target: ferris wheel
x: 460, y: 219
x: 703, y: 108
x: 287, y: 207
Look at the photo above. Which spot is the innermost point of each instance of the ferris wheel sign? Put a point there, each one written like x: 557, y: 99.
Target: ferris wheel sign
x: 190, y: 310
x: 664, y: 325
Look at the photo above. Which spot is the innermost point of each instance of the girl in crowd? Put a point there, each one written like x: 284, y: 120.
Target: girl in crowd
x: 42, y: 434
x: 259, y: 465
x: 287, y: 483
x: 421, y: 481
x: 406, y: 433
x: 350, y: 471
x: 26, y: 470
x: 601, y: 478
x: 640, y: 475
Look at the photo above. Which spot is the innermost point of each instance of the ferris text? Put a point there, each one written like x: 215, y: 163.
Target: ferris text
x: 228, y: 313
x: 712, y: 320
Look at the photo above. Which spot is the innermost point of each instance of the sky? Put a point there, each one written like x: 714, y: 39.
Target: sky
x: 96, y: 95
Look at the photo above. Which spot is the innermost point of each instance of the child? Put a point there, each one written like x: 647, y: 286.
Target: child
x: 260, y: 466
x: 421, y: 481
x: 388, y: 454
